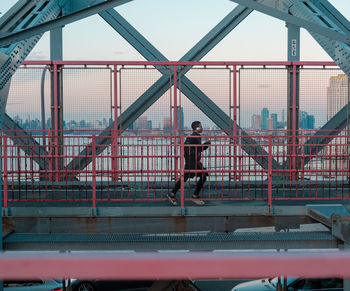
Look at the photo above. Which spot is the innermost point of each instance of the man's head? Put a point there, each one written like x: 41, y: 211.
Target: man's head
x: 197, y: 126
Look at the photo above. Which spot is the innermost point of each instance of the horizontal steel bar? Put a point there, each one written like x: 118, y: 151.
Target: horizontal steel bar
x: 182, y: 63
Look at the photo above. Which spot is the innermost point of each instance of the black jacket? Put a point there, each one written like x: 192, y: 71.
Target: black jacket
x: 193, y: 152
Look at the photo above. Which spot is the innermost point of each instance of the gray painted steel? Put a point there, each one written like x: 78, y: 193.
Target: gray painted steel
x: 313, y: 12
x: 17, y: 52
x: 211, y: 241
x: 9, y: 38
x: 27, y: 143
x: 325, y: 135
x: 331, y: 34
x: 323, y: 213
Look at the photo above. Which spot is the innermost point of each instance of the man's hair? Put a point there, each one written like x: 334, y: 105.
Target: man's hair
x: 195, y: 124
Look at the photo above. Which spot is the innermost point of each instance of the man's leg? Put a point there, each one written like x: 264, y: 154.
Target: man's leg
x: 178, y: 184
x: 200, y: 183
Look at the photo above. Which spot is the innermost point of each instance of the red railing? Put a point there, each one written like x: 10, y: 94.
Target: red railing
x: 84, y: 167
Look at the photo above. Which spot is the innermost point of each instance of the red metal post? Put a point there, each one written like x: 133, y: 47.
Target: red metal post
x: 175, y: 122
x: 115, y: 129
x: 94, y: 171
x: 4, y: 157
x: 182, y: 170
x: 294, y: 126
x: 50, y: 154
x: 55, y: 86
x: 235, y: 121
x: 270, y: 172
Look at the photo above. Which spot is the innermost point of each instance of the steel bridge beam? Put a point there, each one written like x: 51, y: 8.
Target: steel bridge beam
x: 9, y: 38
x: 149, y: 242
x: 334, y: 35
x: 202, y: 101
x: 323, y: 13
x: 10, y: 19
x: 325, y: 135
x: 28, y: 144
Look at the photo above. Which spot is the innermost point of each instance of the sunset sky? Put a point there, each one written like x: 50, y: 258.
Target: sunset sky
x: 174, y: 27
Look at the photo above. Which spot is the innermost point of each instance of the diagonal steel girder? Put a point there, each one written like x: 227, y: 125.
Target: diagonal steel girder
x: 316, y: 28
x: 162, y: 85
x: 325, y: 135
x: 7, y: 39
x: 27, y: 143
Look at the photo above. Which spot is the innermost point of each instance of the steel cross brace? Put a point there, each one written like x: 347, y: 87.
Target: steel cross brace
x: 202, y: 101
x: 343, y: 37
x: 9, y: 38
x: 325, y: 135
x: 29, y: 145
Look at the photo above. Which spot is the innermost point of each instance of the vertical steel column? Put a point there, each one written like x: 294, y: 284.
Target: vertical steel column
x: 269, y: 194
x: 115, y: 129
x: 4, y: 171
x: 55, y: 120
x: 234, y: 85
x: 293, y: 119
x: 175, y: 132
x: 294, y: 128
x: 293, y: 97
x: 182, y: 170
x: 50, y: 151
x: 94, y: 171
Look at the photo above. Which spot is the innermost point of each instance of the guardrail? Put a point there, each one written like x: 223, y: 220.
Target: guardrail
x: 47, y: 167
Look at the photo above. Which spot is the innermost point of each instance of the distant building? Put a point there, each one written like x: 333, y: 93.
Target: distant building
x: 337, y: 98
x: 141, y: 123
x: 264, y: 116
x: 337, y: 94
x: 310, y: 122
x: 274, y: 120
x: 306, y: 121
x: 256, y: 122
x: 180, y: 118
x: 149, y: 124
x: 269, y: 123
x: 166, y: 123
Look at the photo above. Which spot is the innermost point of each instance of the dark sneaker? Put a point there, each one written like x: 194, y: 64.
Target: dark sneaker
x: 197, y: 201
x: 172, y: 199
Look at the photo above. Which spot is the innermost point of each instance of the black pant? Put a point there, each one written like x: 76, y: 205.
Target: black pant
x: 202, y: 178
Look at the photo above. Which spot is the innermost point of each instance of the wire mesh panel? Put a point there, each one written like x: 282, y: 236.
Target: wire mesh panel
x: 215, y: 83
x: 87, y: 97
x: 137, y: 82
x: 263, y: 98
x: 321, y: 96
x: 29, y: 91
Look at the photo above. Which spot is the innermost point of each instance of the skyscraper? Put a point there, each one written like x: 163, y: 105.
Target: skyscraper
x: 180, y: 118
x: 256, y: 122
x: 269, y: 122
x: 337, y: 94
x: 274, y: 120
x: 264, y: 116
x: 337, y: 98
